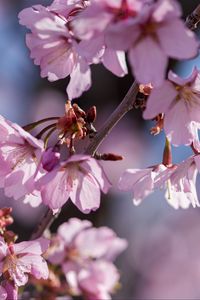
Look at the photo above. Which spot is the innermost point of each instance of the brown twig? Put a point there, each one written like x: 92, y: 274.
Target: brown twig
x: 193, y: 19
x: 121, y: 110
x: 45, y: 222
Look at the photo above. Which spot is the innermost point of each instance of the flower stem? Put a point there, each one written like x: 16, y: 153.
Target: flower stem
x: 193, y: 19
x: 40, y: 134
x: 31, y: 126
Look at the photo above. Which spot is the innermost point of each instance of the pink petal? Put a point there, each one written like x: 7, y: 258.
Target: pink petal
x: 54, y: 188
x: 177, y: 124
x: 160, y: 100
x: 67, y: 231
x: 91, y: 166
x: 39, y: 268
x: 115, y: 62
x: 36, y: 247
x: 179, y: 43
x: 118, y: 36
x: 166, y: 10
x: 80, y: 80
x: 148, y: 67
x: 86, y: 195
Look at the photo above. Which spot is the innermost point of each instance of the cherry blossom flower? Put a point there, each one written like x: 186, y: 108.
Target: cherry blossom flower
x: 97, y: 280
x: 54, y: 49
x: 179, y: 100
x: 141, y: 182
x: 86, y: 255
x: 20, y: 154
x: 59, y: 53
x: 135, y: 26
x: 178, y: 180
x: 18, y: 260
x: 80, y: 178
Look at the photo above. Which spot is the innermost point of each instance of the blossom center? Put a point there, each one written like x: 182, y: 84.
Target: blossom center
x: 123, y: 12
x: 187, y: 94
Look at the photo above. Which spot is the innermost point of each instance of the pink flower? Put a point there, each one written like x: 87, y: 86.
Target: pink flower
x: 181, y: 190
x: 59, y: 52
x: 23, y: 258
x: 20, y: 154
x: 141, y: 182
x: 85, y: 254
x: 96, y: 281
x: 80, y: 178
x: 179, y: 100
x: 84, y: 242
x: 136, y: 26
x: 178, y: 180
x: 53, y: 48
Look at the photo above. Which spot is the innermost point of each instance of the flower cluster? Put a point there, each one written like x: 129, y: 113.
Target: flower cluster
x: 67, y: 37
x: 37, y: 175
x: 17, y: 260
x: 85, y: 255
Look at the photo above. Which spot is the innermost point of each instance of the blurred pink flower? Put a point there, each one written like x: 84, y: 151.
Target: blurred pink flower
x: 98, y: 280
x: 156, y: 26
x: 181, y: 190
x: 141, y: 182
x: 179, y: 100
x: 20, y: 154
x: 8, y: 290
x: 3, y: 293
x: 80, y: 178
x: 86, y: 256
x: 179, y: 181
x: 22, y: 258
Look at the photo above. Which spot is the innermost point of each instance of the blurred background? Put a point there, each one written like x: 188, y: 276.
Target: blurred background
x: 163, y: 257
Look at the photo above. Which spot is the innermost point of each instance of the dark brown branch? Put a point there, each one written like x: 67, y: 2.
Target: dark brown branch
x: 193, y: 19
x: 116, y: 116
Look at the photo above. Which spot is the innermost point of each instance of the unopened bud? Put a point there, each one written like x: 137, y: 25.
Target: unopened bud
x: 91, y: 114
x: 78, y: 111
x: 145, y: 88
x: 50, y: 159
x: 10, y: 237
x: 109, y: 156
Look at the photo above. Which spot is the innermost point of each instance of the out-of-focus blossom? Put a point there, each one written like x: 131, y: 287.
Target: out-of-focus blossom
x: 3, y: 293
x: 179, y: 100
x: 8, y: 290
x: 179, y: 181
x: 135, y: 26
x: 86, y: 256
x: 181, y: 190
x: 98, y: 280
x: 5, y: 218
x: 80, y: 178
x: 18, y: 260
x: 20, y: 154
x: 141, y: 182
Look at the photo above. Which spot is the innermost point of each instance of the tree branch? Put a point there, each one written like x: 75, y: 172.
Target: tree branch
x: 116, y: 116
x: 193, y: 19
